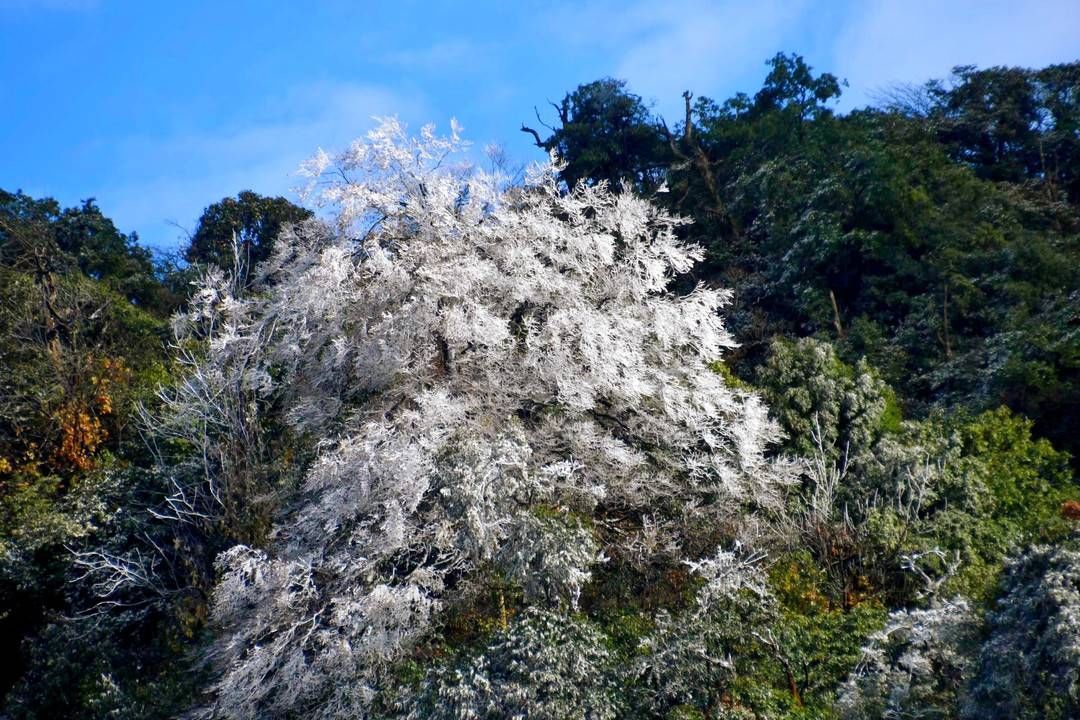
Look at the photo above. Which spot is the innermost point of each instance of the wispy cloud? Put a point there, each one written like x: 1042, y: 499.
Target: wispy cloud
x: 662, y: 49
x: 170, y: 179
x: 489, y: 64
x: 885, y: 42
x: 715, y: 48
x: 706, y: 45
x: 456, y: 53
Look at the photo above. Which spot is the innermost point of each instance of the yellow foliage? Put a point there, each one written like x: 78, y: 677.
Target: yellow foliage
x: 796, y: 582
x: 79, y: 420
x: 110, y: 373
x: 80, y: 435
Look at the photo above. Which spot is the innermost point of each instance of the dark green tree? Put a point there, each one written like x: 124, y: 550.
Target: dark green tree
x: 1029, y: 664
x: 38, y: 235
x: 250, y: 220
x: 82, y: 346
x: 606, y: 134
x: 792, y: 88
x: 937, y: 243
x: 1014, y: 124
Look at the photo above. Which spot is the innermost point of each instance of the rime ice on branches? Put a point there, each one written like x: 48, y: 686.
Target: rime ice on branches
x: 465, y: 352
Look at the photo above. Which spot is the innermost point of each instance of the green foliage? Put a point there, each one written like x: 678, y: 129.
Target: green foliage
x: 821, y: 640
x: 605, y: 135
x: 934, y: 242
x: 82, y: 347
x: 1012, y: 124
x: 544, y: 665
x: 773, y: 651
x: 824, y: 404
x: 37, y: 236
x: 249, y: 220
x: 81, y: 669
x: 731, y: 380
x: 81, y: 357
x: 1029, y: 664
x: 1001, y: 489
x: 1027, y: 478
x: 935, y: 237
x: 906, y: 300
x: 791, y: 87
x: 959, y: 489
x: 85, y: 656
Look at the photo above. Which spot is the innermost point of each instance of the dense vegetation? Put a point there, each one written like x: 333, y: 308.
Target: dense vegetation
x: 484, y: 449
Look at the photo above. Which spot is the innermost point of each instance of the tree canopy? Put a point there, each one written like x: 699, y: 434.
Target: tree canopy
x: 244, y: 227
x: 765, y: 411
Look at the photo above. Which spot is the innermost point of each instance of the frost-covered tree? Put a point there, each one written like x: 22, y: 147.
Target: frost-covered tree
x: 826, y: 406
x: 916, y: 667
x: 545, y: 666
x: 548, y: 557
x: 1029, y: 665
x: 548, y: 664
x: 874, y: 489
x: 691, y: 659
x: 943, y: 661
x: 466, y: 357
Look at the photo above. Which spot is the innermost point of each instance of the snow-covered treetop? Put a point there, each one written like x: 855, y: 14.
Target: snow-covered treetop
x: 464, y: 352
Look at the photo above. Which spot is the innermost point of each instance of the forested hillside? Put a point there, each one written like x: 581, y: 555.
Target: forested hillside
x: 764, y: 411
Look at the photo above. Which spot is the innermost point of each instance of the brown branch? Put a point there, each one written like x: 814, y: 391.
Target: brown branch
x: 443, y: 359
x: 701, y: 160
x: 770, y: 641
x: 836, y: 316
x: 539, y: 143
x: 688, y: 131
x: 945, y: 323
x: 670, y: 137
x: 558, y: 109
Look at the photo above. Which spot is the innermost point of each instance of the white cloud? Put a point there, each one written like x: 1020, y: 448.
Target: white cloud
x: 449, y: 54
x: 717, y: 48
x: 262, y: 155
x: 713, y: 48
x: 885, y: 42
x: 706, y: 47
x: 661, y: 49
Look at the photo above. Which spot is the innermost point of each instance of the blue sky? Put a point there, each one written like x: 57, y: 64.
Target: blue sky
x: 160, y: 108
